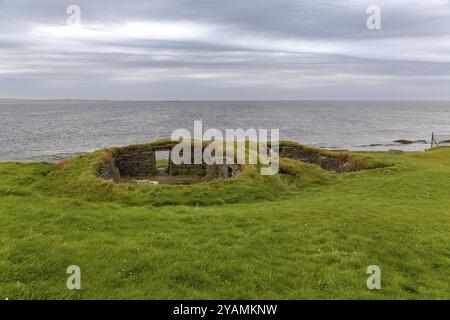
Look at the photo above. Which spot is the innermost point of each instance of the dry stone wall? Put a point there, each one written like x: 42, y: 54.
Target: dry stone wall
x: 222, y: 171
x: 109, y: 171
x: 187, y: 169
x: 327, y: 162
x: 140, y: 161
x: 136, y: 162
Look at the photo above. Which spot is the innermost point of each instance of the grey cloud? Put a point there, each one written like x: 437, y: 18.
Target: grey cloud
x: 253, y: 49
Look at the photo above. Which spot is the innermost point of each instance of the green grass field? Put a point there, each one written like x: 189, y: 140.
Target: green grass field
x: 304, y: 234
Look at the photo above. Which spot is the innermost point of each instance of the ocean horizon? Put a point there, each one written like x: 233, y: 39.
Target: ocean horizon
x: 49, y: 130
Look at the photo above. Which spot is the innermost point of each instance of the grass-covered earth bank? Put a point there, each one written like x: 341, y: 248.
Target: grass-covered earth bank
x: 305, y: 233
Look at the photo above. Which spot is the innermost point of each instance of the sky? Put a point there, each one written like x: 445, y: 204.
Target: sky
x: 225, y: 50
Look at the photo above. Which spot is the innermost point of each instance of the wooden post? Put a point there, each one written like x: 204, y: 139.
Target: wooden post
x: 432, y: 139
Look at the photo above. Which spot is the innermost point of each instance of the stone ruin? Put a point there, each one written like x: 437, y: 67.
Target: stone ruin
x: 223, y: 171
x: 327, y: 161
x: 139, y: 162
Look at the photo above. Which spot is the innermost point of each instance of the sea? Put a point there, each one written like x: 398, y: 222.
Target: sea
x: 38, y: 130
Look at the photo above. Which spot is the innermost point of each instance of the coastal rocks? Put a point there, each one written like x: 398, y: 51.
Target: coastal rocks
x: 403, y: 141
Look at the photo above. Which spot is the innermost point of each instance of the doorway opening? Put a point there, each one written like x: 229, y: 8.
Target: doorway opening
x: 162, y: 162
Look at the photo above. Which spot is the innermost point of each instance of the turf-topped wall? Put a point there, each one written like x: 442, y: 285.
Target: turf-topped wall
x: 332, y: 162
x: 140, y: 161
x: 94, y: 176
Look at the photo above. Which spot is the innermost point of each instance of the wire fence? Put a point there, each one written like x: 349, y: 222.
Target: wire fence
x: 439, y: 139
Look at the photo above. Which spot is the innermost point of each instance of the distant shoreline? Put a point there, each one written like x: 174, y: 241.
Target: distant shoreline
x: 216, y: 100
x: 47, y: 130
x: 54, y: 158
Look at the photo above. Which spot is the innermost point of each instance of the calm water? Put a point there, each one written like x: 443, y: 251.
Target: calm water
x: 50, y: 130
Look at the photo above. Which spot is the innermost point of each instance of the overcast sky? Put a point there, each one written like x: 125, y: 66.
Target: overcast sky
x: 228, y: 49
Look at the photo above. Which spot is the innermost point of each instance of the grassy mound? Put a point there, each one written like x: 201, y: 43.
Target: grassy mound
x: 78, y: 178
x: 314, y: 239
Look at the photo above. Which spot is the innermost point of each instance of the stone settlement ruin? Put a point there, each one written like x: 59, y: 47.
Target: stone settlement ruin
x: 139, y: 164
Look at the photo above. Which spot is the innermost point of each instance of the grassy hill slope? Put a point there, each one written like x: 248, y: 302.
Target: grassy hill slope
x: 304, y: 234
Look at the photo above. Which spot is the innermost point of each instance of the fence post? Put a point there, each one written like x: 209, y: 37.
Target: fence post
x: 432, y: 139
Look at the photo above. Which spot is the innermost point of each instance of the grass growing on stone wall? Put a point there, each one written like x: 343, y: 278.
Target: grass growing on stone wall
x: 78, y: 178
x: 314, y: 239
